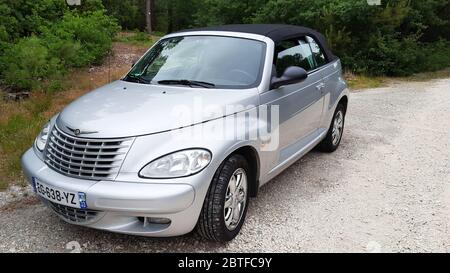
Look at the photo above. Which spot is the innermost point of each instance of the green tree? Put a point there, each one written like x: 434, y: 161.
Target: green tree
x: 218, y: 12
x: 129, y: 13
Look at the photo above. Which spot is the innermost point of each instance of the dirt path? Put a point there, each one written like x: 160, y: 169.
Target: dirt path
x: 386, y: 189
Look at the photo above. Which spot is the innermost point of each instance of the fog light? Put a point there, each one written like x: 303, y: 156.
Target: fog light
x: 154, y: 220
x: 161, y: 221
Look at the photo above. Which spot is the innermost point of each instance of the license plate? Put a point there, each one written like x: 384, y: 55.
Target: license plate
x: 59, y: 196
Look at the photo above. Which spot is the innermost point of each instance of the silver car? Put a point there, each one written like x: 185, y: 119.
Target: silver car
x: 199, y: 124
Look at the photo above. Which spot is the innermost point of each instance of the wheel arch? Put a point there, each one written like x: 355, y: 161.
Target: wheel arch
x: 253, y: 160
x: 344, y: 102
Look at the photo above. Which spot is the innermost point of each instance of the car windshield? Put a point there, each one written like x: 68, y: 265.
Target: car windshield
x: 202, y: 61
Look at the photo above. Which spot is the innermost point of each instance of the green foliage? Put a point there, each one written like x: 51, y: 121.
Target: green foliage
x: 41, y: 39
x: 398, y: 38
x: 80, y: 40
x: 27, y: 63
x: 25, y: 17
x: 129, y: 13
x: 218, y: 12
x: 172, y: 15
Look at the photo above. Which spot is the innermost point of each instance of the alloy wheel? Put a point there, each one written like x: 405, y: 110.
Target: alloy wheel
x: 338, y: 125
x: 235, y: 199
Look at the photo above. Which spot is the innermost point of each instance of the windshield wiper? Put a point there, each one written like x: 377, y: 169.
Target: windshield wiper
x: 136, y: 78
x: 188, y: 83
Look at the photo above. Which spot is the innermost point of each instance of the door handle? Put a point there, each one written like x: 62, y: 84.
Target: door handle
x: 320, y: 86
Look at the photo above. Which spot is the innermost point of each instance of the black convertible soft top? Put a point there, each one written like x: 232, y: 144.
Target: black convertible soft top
x: 276, y: 32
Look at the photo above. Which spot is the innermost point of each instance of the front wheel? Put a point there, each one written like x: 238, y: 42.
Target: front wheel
x: 225, y: 205
x: 335, y: 132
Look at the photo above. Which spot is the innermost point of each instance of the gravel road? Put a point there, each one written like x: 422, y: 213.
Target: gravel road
x: 386, y: 189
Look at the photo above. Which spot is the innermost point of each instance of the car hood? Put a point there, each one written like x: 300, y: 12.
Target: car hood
x: 123, y: 109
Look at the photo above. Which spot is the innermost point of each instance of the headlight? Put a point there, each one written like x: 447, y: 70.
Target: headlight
x: 178, y: 164
x: 41, y: 140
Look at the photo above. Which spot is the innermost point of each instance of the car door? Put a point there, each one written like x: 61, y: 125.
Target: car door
x: 327, y: 73
x: 301, y: 104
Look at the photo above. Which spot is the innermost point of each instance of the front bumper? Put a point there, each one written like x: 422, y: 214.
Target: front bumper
x: 121, y: 206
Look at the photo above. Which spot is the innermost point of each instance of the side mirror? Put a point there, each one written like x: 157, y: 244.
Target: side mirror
x: 292, y: 75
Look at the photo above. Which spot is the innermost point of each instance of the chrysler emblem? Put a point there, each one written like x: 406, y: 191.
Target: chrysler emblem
x: 78, y: 132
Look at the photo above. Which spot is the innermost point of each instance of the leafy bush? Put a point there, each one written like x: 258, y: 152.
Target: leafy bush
x: 436, y: 55
x: 40, y: 39
x: 23, y: 18
x: 80, y: 40
x: 27, y: 63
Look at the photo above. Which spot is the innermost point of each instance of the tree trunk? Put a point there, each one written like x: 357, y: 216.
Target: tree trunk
x: 150, y: 15
x: 170, y: 17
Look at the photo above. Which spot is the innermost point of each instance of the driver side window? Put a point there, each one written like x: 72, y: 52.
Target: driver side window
x: 294, y: 52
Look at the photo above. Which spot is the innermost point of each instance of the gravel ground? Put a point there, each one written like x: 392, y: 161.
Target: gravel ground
x: 386, y: 189
x: 14, y: 194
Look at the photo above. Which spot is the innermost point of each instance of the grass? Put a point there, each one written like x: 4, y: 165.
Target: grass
x: 364, y: 82
x: 19, y: 124
x: 140, y: 39
x: 357, y: 82
x: 426, y: 76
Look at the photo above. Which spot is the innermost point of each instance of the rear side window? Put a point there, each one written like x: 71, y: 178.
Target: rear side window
x: 302, y: 52
x: 318, y: 54
x: 293, y: 53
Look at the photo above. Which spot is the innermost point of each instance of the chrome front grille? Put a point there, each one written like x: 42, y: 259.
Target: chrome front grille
x: 74, y: 215
x: 95, y: 159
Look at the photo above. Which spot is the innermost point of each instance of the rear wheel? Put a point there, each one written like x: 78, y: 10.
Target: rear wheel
x: 335, y: 132
x: 225, y: 205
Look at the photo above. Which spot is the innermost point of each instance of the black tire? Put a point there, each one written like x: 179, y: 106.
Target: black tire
x: 327, y: 144
x: 211, y: 223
